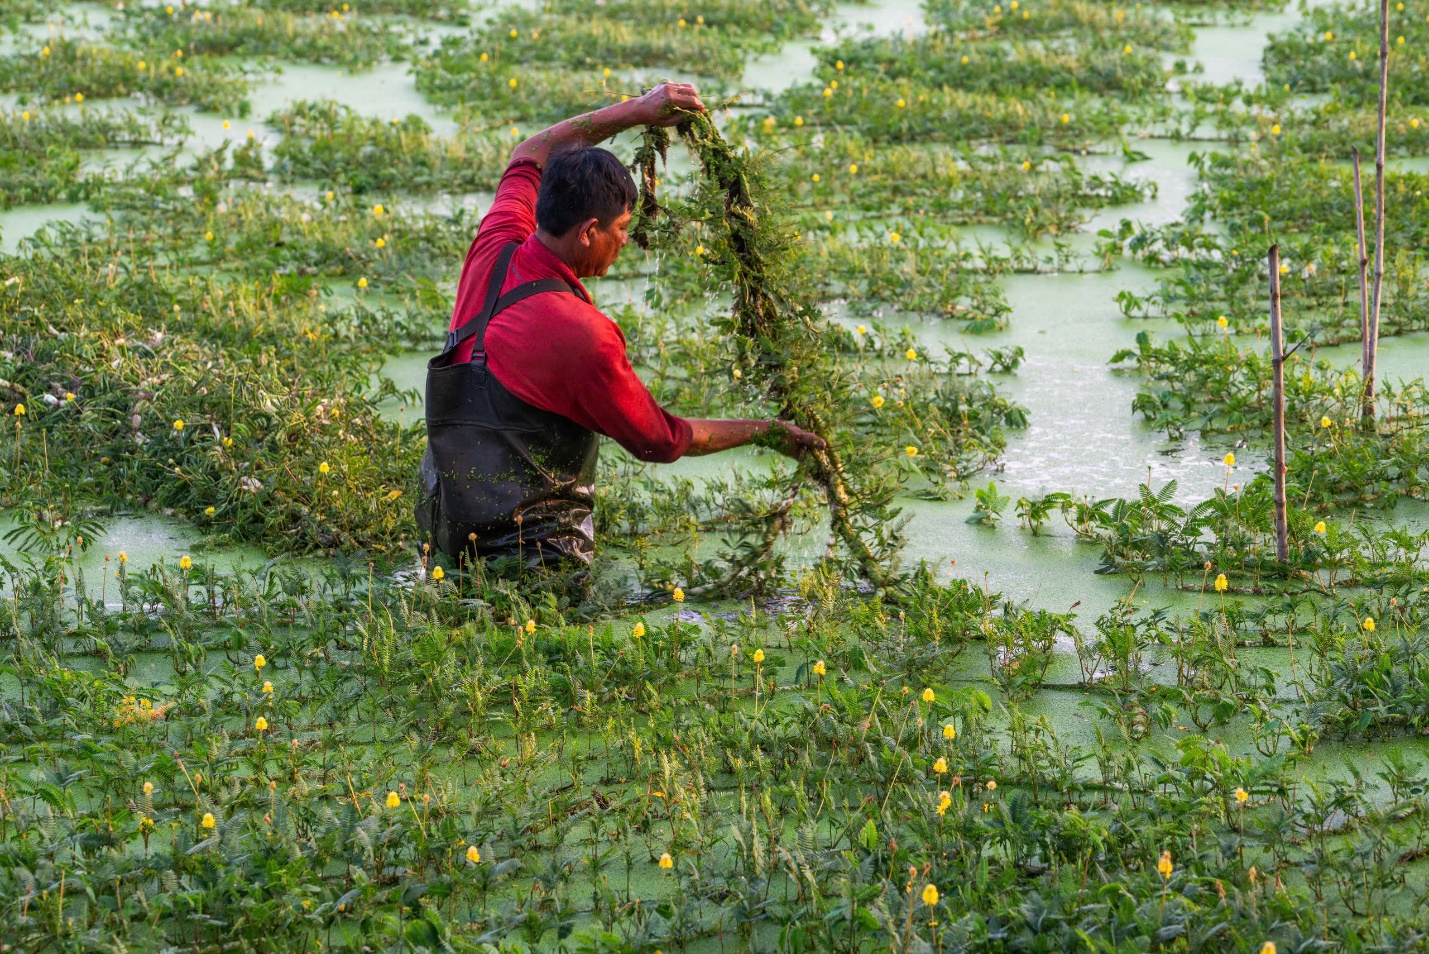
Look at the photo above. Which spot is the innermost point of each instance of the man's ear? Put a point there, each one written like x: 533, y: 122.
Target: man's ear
x: 587, y: 231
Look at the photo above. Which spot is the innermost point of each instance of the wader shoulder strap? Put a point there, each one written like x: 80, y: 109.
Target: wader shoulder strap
x: 497, y: 302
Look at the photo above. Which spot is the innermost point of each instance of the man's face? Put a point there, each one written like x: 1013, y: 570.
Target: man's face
x: 601, y: 245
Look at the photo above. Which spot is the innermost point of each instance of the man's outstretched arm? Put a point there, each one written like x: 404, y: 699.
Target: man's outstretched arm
x: 665, y: 105
x: 715, y: 435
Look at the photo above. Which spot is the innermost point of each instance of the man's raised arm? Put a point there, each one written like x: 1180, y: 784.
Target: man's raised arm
x: 665, y: 105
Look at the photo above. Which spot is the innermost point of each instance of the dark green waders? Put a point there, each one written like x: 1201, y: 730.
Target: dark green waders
x: 502, y: 481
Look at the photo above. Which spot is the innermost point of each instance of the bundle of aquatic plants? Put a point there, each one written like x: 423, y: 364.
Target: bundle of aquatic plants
x: 245, y: 407
x: 837, y: 177
x: 62, y: 69
x: 1139, y: 25
x: 234, y: 29
x: 1218, y: 251
x: 1336, y: 48
x: 330, y: 144
x: 781, y: 340
x: 44, y: 149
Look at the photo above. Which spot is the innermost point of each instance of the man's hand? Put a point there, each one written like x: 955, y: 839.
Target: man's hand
x: 792, y: 441
x: 668, y: 103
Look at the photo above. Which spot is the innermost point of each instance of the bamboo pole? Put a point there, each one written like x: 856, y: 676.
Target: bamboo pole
x: 1372, y: 345
x: 1277, y: 398
x: 1364, y: 263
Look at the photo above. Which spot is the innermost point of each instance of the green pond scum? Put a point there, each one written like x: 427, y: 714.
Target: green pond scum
x: 759, y: 724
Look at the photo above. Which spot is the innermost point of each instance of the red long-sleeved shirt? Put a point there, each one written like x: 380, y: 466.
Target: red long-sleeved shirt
x: 555, y: 351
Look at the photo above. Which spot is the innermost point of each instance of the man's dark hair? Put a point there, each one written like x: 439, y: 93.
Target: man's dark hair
x: 580, y: 184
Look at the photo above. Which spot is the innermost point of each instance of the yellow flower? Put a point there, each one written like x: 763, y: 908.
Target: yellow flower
x: 991, y: 786
x: 901, y: 102
x: 877, y: 401
x: 323, y: 468
x: 1026, y: 165
x: 940, y: 766
x: 861, y: 329
x: 1320, y: 527
x: 1275, y: 130
x: 208, y: 511
x: 678, y: 596
x: 511, y: 82
x: 816, y: 177
x: 530, y: 625
x: 1326, y: 422
x: 682, y: 21
x: 267, y: 687
x: 1369, y: 624
x: 737, y: 374
x: 123, y: 557
x: 965, y: 61
x: 261, y: 725
x: 148, y: 788
x: 928, y: 695
x: 666, y: 862
x: 1222, y: 322
x: 949, y: 732
x: 1126, y: 49
x: 362, y: 283
x: 1267, y: 948
x: 1240, y: 795
x: 186, y: 562
x: 911, y: 354
x: 228, y: 442
x: 839, y: 65
x: 259, y: 661
x: 1228, y: 460
x: 638, y: 631
x: 381, y: 242
x: 473, y: 855
x: 820, y: 669
x: 1221, y: 583
x: 45, y: 51
x: 514, y: 34
x: 179, y: 71
x: 699, y: 250
x: 827, y: 92
x: 853, y: 168
x: 944, y: 802
x: 208, y: 821
x: 1066, y: 118
x: 438, y: 574
x: 19, y: 410
x: 798, y: 120
x: 393, y: 799
x: 208, y: 236
x: 1352, y: 55
x: 1163, y: 865
x: 178, y: 425
x: 930, y: 895
x: 759, y: 655
x: 894, y: 237
x: 1329, y: 35
x: 911, y: 451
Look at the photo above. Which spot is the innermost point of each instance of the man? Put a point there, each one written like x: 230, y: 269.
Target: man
x: 533, y: 372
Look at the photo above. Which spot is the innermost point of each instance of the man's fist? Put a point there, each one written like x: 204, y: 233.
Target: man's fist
x: 792, y: 441
x: 668, y: 103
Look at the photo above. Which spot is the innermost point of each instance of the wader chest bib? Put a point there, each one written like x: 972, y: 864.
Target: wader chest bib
x: 500, y: 477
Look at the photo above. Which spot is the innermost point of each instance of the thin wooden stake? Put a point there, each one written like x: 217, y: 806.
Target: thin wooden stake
x: 1364, y: 263
x: 1367, y: 410
x: 1277, y: 400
